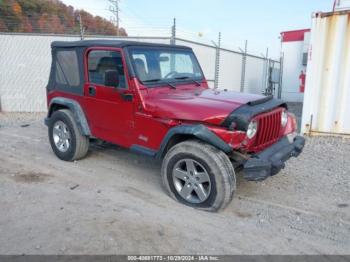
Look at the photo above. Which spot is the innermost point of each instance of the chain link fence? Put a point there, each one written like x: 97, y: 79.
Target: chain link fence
x: 25, y: 61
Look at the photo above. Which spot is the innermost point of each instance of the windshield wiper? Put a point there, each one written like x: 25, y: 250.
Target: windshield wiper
x: 188, y: 78
x: 171, y: 85
x: 151, y: 80
x: 157, y: 80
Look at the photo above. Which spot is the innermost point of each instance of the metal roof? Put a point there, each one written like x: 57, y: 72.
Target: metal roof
x: 110, y: 43
x: 341, y: 5
x: 334, y: 13
x: 293, y: 36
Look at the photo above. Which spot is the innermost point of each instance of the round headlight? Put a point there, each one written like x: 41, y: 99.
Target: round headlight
x: 252, y: 129
x: 284, y: 118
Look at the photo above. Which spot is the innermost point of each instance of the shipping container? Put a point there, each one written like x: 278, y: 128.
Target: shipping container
x: 327, y: 95
x: 341, y: 5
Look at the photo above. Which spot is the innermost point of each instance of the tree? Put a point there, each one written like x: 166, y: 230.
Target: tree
x: 43, y: 23
x: 17, y: 9
x: 50, y: 16
x: 3, y: 27
x: 26, y: 25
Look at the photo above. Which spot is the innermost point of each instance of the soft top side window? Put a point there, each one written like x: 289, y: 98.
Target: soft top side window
x: 67, y: 68
x: 102, y: 61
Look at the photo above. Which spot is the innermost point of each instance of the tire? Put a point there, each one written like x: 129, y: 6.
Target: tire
x: 62, y: 122
x: 208, y: 163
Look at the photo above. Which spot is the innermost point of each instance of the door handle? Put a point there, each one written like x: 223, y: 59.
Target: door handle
x: 127, y: 97
x: 92, y: 91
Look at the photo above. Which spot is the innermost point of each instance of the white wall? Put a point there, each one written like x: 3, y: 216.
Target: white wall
x: 230, y: 71
x: 292, y: 66
x: 25, y: 62
x: 230, y: 68
x: 206, y: 57
x: 255, y: 75
x: 24, y: 70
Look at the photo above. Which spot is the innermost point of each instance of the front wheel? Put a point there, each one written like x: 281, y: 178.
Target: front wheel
x: 199, y: 175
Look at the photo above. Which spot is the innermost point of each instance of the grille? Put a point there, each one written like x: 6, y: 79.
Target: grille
x: 269, y: 129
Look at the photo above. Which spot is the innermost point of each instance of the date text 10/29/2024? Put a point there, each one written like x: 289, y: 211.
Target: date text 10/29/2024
x: 173, y: 258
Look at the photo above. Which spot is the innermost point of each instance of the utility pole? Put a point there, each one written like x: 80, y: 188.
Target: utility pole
x: 114, y: 9
x: 267, y: 72
x: 173, y: 33
x: 173, y: 42
x: 81, y: 25
x: 217, y: 61
x: 244, y: 63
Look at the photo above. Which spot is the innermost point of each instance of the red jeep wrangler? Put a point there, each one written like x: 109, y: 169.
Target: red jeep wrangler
x: 154, y: 99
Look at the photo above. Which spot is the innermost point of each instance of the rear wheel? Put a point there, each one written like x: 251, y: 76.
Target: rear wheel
x: 199, y: 175
x: 65, y: 138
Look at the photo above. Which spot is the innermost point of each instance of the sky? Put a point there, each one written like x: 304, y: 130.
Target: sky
x: 257, y: 21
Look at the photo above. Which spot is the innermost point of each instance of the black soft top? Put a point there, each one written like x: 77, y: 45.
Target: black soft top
x: 110, y: 43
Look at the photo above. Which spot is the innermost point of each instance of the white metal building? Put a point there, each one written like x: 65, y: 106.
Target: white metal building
x: 294, y: 48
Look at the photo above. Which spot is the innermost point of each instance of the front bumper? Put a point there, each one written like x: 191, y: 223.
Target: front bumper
x: 270, y: 161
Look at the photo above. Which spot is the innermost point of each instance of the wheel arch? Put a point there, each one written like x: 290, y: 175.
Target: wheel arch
x: 58, y: 103
x: 182, y: 133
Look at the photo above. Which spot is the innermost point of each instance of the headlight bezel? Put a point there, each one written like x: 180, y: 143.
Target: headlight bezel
x: 252, y: 129
x: 284, y: 118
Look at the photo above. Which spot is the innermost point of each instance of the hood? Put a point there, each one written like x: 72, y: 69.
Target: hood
x: 200, y: 105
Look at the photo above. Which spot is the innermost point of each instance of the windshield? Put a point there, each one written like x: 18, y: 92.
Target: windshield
x: 158, y: 66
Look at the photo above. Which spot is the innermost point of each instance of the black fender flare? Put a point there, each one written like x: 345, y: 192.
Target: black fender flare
x: 199, y: 131
x: 75, y: 108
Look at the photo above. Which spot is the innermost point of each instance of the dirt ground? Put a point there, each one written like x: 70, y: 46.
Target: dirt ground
x: 113, y: 202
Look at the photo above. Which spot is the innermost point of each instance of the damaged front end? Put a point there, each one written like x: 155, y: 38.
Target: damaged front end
x: 270, y: 137
x: 271, y: 160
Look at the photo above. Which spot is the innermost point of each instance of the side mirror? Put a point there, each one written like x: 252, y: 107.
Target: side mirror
x: 111, y: 78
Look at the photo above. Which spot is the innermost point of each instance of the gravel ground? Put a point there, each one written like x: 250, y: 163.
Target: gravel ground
x: 112, y: 202
x: 18, y: 119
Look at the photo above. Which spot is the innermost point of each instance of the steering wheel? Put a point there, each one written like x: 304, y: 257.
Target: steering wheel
x: 167, y: 76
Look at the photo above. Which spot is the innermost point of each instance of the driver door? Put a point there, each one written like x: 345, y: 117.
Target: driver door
x: 108, y: 101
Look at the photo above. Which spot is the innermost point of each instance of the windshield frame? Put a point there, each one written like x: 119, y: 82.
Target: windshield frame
x: 164, y: 82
